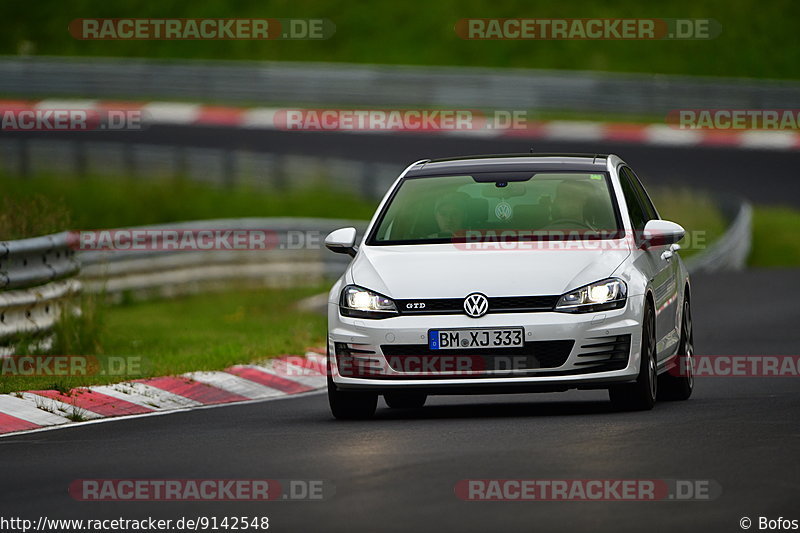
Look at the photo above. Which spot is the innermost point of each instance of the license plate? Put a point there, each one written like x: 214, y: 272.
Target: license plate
x: 465, y: 339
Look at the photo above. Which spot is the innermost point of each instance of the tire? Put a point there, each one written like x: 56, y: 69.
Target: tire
x: 405, y: 400
x: 640, y: 395
x: 679, y: 387
x: 350, y: 405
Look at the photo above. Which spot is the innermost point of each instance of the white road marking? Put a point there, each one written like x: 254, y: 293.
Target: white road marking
x: 171, y: 113
x: 54, y: 103
x: 234, y: 384
x: 26, y: 409
x: 60, y: 408
x: 158, y: 413
x: 769, y: 139
x: 296, y: 373
x: 574, y: 130
x: 663, y: 134
x: 145, y: 395
x: 260, y: 117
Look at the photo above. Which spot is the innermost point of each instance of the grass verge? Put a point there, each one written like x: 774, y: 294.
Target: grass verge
x: 776, y: 241
x: 95, y: 203
x: 200, y: 332
x: 694, y: 211
x: 758, y: 39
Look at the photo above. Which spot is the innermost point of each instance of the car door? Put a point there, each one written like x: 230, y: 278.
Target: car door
x: 655, y: 261
x: 670, y: 315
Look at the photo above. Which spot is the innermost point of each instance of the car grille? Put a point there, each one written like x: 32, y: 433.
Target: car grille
x: 597, y: 354
x: 533, y: 355
x: 497, y: 304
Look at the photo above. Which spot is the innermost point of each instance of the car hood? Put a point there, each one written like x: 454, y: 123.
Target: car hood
x: 446, y: 271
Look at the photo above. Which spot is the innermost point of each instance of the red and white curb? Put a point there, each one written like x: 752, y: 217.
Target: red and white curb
x: 187, y: 114
x: 277, y: 378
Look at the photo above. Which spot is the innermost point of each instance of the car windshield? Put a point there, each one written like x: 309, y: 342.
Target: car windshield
x: 542, y: 205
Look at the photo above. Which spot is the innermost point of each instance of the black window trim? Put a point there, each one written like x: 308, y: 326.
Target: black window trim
x: 636, y: 234
x: 622, y: 176
x: 643, y: 192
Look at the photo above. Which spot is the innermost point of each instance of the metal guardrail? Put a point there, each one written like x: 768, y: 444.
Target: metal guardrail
x: 29, y: 262
x: 33, y: 310
x: 41, y: 276
x: 731, y: 250
x: 296, y: 257
x: 223, y: 167
x: 382, y: 85
x: 37, y: 282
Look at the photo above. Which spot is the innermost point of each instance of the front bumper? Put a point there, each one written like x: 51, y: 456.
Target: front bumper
x: 587, y: 363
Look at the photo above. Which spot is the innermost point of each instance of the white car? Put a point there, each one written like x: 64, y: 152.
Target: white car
x: 510, y: 273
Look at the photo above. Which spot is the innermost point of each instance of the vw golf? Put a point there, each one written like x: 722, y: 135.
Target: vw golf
x: 510, y: 273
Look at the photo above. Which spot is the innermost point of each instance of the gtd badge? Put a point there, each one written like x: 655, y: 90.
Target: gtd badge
x: 476, y: 305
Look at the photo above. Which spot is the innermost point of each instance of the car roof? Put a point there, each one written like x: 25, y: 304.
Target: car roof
x: 509, y: 163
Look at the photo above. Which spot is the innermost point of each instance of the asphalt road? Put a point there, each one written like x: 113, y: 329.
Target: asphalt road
x: 763, y: 176
x: 398, y: 471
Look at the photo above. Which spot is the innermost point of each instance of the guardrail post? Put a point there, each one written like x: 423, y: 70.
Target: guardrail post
x: 368, y: 179
x: 229, y: 168
x: 79, y: 156
x: 24, y: 161
x: 129, y: 159
x: 180, y: 159
x: 278, y: 171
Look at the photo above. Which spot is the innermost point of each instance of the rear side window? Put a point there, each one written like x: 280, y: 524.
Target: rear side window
x: 638, y: 216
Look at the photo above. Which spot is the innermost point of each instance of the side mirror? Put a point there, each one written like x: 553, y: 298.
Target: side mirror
x: 660, y: 233
x: 342, y: 241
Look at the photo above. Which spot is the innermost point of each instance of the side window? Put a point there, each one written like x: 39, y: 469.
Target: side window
x: 647, y: 203
x: 637, y: 214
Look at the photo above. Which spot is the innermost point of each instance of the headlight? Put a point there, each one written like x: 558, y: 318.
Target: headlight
x: 599, y: 296
x: 358, y: 302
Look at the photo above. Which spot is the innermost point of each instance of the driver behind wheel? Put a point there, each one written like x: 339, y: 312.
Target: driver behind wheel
x: 450, y: 212
x: 570, y: 203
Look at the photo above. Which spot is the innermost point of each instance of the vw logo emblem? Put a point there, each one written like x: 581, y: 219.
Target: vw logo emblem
x: 503, y: 211
x: 476, y: 305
